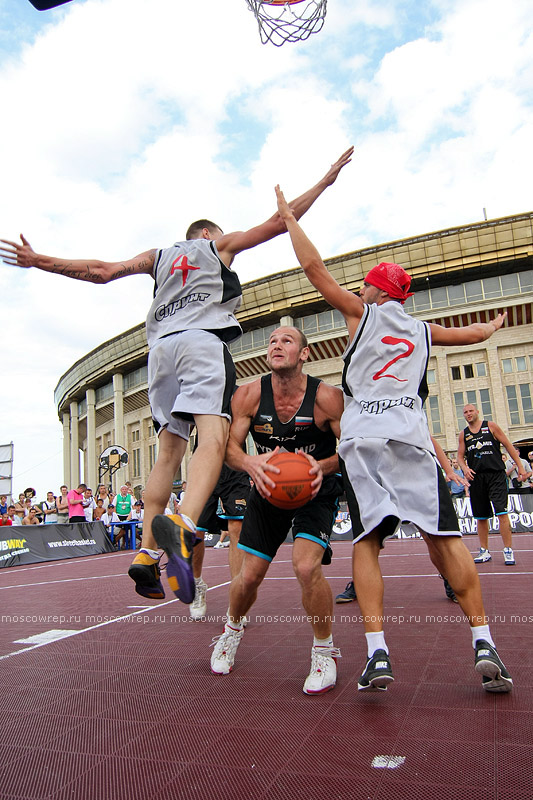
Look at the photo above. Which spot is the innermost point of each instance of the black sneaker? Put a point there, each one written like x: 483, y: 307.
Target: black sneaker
x: 489, y: 664
x: 377, y: 674
x: 145, y: 571
x: 173, y: 536
x: 450, y: 594
x: 348, y: 595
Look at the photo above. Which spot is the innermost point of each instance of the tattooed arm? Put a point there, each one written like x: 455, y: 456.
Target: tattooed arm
x: 93, y: 271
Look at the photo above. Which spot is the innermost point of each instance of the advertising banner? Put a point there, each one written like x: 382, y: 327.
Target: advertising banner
x: 29, y: 544
x: 520, y: 509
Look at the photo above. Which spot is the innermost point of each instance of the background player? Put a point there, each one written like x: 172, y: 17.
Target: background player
x: 232, y: 490
x: 480, y: 458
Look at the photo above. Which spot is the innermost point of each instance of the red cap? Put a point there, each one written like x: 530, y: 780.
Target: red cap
x: 391, y: 278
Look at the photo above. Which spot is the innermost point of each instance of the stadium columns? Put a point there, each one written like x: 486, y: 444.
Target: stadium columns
x: 499, y: 408
x: 66, y: 449
x: 74, y: 446
x: 445, y: 397
x: 120, y: 438
x: 286, y: 322
x: 91, y: 475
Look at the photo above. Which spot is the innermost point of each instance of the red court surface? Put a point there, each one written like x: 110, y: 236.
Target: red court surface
x: 125, y: 704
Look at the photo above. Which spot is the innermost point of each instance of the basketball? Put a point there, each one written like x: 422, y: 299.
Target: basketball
x: 293, y: 483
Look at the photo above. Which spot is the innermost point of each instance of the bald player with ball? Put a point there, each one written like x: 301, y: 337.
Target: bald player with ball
x: 290, y: 410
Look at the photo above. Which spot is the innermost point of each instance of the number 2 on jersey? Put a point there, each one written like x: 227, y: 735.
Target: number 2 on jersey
x: 393, y: 340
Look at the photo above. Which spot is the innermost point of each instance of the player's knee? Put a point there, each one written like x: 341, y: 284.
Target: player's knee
x: 307, y: 571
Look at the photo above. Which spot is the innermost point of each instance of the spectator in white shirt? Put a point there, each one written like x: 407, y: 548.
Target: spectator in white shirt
x: 89, y: 505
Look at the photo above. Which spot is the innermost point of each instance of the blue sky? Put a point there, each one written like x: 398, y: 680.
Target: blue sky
x: 123, y: 120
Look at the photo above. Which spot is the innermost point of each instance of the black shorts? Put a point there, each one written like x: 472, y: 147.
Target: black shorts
x: 486, y: 488
x: 265, y: 527
x: 233, y: 490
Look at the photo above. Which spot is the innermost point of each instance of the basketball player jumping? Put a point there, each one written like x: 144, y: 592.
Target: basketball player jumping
x: 190, y: 371
x: 386, y: 448
x: 290, y: 410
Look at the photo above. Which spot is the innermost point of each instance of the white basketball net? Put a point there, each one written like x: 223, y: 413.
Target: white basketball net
x: 288, y: 22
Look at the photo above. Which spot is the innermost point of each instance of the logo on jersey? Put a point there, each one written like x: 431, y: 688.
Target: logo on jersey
x: 302, y: 423
x: 266, y: 416
x: 266, y: 428
x: 182, y: 264
x: 379, y: 406
x: 172, y: 308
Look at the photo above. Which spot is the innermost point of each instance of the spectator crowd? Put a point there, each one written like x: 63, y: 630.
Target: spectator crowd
x: 81, y: 505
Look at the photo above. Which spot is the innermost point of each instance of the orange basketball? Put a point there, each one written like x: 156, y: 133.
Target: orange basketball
x: 293, y: 483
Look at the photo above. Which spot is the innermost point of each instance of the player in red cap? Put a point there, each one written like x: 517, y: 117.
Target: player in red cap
x: 390, y: 470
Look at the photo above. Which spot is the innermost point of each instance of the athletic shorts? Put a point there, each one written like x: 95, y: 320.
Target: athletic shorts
x: 486, y: 488
x: 233, y: 490
x: 189, y: 373
x: 265, y: 527
x: 389, y: 482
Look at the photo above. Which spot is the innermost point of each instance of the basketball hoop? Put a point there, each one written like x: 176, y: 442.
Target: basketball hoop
x: 283, y: 21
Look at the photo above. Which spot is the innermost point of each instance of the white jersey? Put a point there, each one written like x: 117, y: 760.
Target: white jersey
x: 385, y: 377
x: 194, y: 290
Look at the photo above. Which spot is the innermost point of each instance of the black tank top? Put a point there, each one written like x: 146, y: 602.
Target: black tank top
x: 300, y: 432
x: 483, y: 452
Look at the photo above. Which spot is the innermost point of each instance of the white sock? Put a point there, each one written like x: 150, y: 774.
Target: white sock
x: 323, y: 642
x: 233, y: 626
x: 189, y: 523
x: 152, y: 553
x: 198, y: 580
x: 375, y: 641
x: 481, y: 632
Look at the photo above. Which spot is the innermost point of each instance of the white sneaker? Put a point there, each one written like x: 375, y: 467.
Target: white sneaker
x: 508, y: 557
x: 198, y: 607
x: 225, y: 543
x: 226, y: 645
x: 323, y: 675
x: 218, y: 545
x: 482, y: 556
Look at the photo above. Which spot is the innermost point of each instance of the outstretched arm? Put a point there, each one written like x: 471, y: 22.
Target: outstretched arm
x: 350, y: 305
x: 91, y: 270
x: 232, y: 243
x: 470, y: 334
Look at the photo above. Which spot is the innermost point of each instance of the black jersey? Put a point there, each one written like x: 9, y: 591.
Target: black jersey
x: 299, y: 433
x: 482, y: 450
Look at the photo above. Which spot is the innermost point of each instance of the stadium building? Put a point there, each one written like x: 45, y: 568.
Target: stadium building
x: 459, y: 276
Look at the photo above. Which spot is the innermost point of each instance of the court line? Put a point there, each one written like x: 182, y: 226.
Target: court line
x: 63, y: 580
x: 65, y: 562
x: 103, y: 624
x: 267, y: 577
x: 413, y: 575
